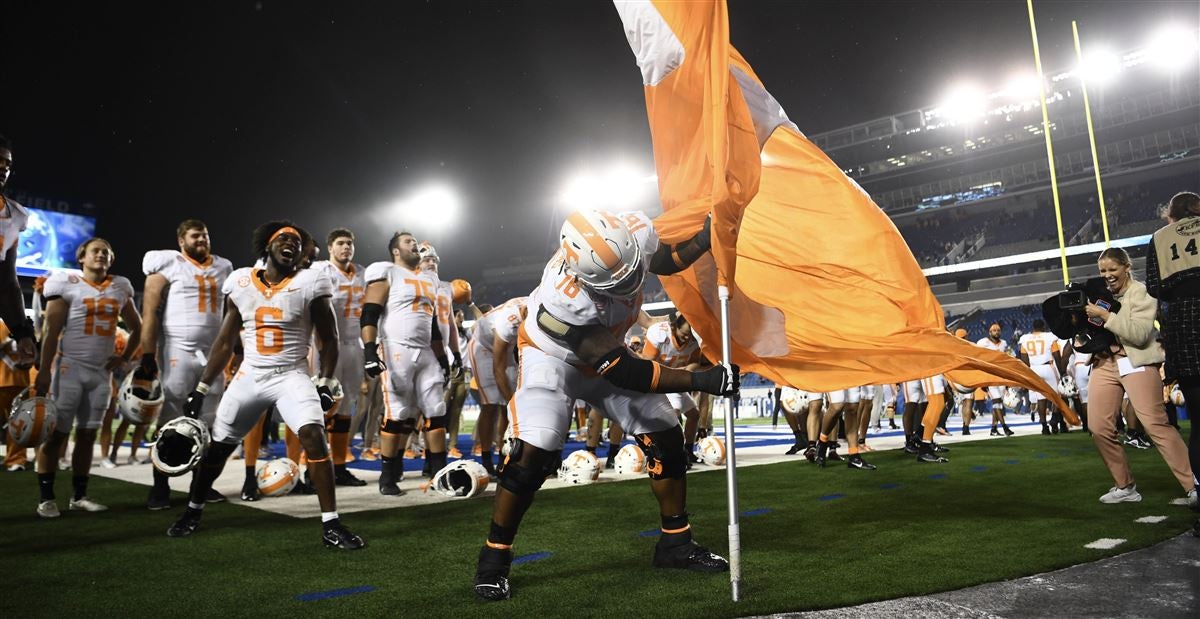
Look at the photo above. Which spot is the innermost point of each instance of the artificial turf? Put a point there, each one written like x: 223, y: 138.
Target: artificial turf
x: 814, y: 538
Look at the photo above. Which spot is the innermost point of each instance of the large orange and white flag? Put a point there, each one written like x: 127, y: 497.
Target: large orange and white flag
x: 825, y: 293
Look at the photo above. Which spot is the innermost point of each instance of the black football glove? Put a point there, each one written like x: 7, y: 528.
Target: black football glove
x: 148, y: 369
x: 456, y: 368
x: 445, y: 371
x: 717, y: 380
x: 704, y: 237
x: 194, y: 404
x: 326, y: 395
x: 372, y: 364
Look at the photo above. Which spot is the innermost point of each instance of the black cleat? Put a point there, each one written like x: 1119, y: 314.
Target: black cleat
x: 833, y: 456
x: 158, y: 500
x: 910, y: 446
x: 1045, y: 429
x: 388, y: 487
x: 214, y: 497
x: 302, y: 487
x: 995, y: 432
x: 810, y: 454
x: 927, y: 454
x: 679, y: 551
x: 794, y: 449
x: 343, y: 477
x: 250, y: 490
x: 1008, y: 432
x: 610, y: 464
x: 338, y: 536
x: 491, y: 575
x: 856, y: 462
x: 966, y: 432
x: 822, y: 453
x: 939, y: 449
x: 186, y: 524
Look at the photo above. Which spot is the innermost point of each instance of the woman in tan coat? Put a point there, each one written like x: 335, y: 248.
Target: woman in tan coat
x: 1130, y: 366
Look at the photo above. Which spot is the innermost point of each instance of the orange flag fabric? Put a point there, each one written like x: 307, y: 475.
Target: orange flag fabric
x: 824, y: 292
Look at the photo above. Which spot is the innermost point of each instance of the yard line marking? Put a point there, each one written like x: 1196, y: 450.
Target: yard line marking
x: 650, y: 533
x: 832, y: 497
x: 1012, y: 461
x: 537, y: 556
x: 889, y: 486
x: 333, y: 593
x: 755, y: 512
x: 1105, y: 543
x: 938, y: 476
x: 978, y: 468
x: 1151, y: 519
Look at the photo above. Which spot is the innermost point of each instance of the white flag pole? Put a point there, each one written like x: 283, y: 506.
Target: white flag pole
x: 735, y: 532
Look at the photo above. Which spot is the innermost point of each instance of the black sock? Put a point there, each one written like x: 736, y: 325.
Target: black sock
x: 339, y: 469
x: 160, y: 481
x: 46, y: 485
x: 486, y: 458
x: 502, y: 535
x: 388, y: 468
x: 250, y: 476
x: 674, y: 523
x: 435, y: 460
x: 79, y: 483
x: 329, y: 524
x: 592, y: 448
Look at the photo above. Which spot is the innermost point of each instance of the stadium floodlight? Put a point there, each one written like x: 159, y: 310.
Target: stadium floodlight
x: 434, y: 206
x: 963, y: 103
x: 618, y: 187
x: 1022, y: 87
x: 1172, y: 47
x: 1100, y: 66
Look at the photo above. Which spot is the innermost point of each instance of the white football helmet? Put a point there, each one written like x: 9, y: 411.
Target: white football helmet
x: 31, y: 420
x: 179, y: 445
x: 140, y: 400
x: 1067, y: 387
x: 601, y: 253
x: 581, y: 467
x: 629, y: 461
x: 1012, y: 398
x: 425, y: 249
x: 278, y: 477
x: 711, y: 451
x: 792, y: 400
x: 1177, y: 396
x: 462, y: 478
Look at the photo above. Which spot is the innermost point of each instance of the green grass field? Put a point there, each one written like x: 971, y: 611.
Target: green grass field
x: 820, y: 538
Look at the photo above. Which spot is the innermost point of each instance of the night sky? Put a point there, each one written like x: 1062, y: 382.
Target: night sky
x: 239, y: 112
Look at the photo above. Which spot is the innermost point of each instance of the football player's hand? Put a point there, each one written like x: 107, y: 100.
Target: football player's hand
x: 41, y: 386
x: 115, y: 363
x: 456, y: 368
x: 704, y: 237
x: 326, y: 396
x: 329, y: 391
x: 26, y: 353
x: 718, y: 380
x: 194, y: 404
x: 372, y: 364
x: 147, y: 369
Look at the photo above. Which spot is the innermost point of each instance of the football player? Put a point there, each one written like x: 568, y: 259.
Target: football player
x: 76, y: 369
x: 672, y: 344
x: 572, y: 345
x: 845, y: 401
x: 932, y: 399
x: 456, y: 392
x: 1080, y: 366
x: 186, y: 285
x: 416, y: 370
x: 430, y: 261
x: 491, y: 355
x: 349, y: 290
x: 275, y: 310
x: 994, y: 342
x: 1039, y: 350
x: 866, y: 404
x: 13, y: 217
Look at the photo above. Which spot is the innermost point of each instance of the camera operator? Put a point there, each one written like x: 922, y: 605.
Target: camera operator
x: 1130, y: 365
x: 1173, y: 276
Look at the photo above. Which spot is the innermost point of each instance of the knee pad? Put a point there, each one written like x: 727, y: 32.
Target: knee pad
x: 435, y: 423
x: 338, y: 424
x: 527, y: 468
x: 400, y: 426
x: 665, y: 457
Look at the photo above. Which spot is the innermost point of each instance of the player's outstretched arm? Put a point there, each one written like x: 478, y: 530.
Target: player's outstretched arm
x: 670, y: 259
x: 152, y: 296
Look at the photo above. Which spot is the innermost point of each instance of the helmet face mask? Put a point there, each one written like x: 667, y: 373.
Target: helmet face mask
x: 461, y: 479
x: 581, y: 467
x: 179, y: 446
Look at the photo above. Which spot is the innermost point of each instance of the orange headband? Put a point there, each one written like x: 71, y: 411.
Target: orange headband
x: 284, y: 230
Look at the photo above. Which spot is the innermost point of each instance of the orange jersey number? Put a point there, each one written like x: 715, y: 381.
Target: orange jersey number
x: 354, y: 299
x: 1035, y: 347
x: 208, y: 293
x: 101, y: 317
x: 262, y: 329
x: 568, y: 286
x: 423, y: 296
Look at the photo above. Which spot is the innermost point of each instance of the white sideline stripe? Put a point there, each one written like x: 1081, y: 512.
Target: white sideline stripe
x: 1151, y: 519
x: 1105, y: 543
x: 1183, y: 501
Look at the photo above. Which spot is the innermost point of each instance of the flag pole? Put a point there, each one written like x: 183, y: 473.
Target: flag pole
x: 1087, y: 114
x: 735, y: 532
x: 1037, y: 58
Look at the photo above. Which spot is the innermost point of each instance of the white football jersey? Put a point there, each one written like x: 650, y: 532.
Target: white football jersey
x: 411, y: 303
x: 1001, y: 346
x: 1040, y: 347
x: 90, y: 333
x: 195, y: 304
x: 276, y: 321
x: 349, y: 291
x: 567, y: 300
x: 503, y: 321
x: 662, y: 347
x: 13, y: 218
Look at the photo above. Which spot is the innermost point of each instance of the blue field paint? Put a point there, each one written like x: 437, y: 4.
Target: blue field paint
x: 978, y: 468
x: 755, y: 512
x: 537, y: 556
x: 1012, y: 461
x: 333, y: 593
x: 938, y: 476
x: 650, y: 533
x: 1040, y: 456
x: 890, y: 486
x: 832, y: 497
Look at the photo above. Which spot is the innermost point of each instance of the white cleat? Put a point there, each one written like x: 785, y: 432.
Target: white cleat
x: 86, y: 504
x: 107, y: 464
x: 64, y: 464
x: 1121, y: 495
x: 48, y: 509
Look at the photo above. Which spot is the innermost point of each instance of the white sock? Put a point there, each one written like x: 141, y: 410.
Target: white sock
x: 327, y: 516
x: 195, y: 505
